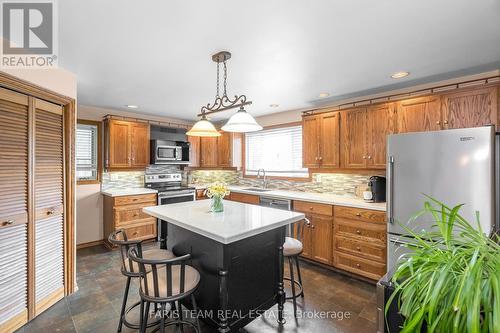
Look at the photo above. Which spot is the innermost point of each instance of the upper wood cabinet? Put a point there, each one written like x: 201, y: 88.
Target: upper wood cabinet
x: 419, y: 115
x: 320, y: 143
x: 223, y: 151
x: 127, y: 144
x: 472, y: 108
x: 208, y: 152
x: 353, y: 140
x: 194, y: 151
x: 380, y: 123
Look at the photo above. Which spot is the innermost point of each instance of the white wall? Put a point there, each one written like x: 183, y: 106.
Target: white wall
x: 89, y: 201
x: 58, y: 80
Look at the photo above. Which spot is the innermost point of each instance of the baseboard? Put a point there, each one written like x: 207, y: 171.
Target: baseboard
x: 89, y: 244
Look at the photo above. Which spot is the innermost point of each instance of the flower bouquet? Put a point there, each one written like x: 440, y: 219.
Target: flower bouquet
x: 217, y: 192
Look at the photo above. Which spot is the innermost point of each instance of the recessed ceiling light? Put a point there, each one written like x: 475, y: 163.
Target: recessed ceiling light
x: 131, y: 106
x: 324, y: 94
x: 273, y: 105
x: 400, y: 75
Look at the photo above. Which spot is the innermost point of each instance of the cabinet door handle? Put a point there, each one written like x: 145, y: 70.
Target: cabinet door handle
x: 369, y: 157
x: 51, y: 211
x: 446, y: 122
x: 358, y: 265
x: 320, y: 158
x: 358, y: 248
x: 358, y: 214
x: 8, y: 222
x: 364, y: 157
x: 316, y: 158
x: 438, y: 122
x: 312, y: 227
x: 358, y: 232
x: 311, y: 208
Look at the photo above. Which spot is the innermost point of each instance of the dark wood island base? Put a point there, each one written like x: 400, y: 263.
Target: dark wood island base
x: 239, y: 280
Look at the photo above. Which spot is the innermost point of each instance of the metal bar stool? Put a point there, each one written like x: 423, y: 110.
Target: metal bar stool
x: 130, y: 269
x: 292, y: 249
x: 167, y: 281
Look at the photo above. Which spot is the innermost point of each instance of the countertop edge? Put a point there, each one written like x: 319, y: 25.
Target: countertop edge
x: 223, y: 240
x: 362, y: 205
x: 123, y: 193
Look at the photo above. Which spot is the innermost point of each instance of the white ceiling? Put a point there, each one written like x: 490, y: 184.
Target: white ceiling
x: 157, y: 54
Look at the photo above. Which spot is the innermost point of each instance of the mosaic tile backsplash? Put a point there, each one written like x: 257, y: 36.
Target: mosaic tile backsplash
x: 334, y: 183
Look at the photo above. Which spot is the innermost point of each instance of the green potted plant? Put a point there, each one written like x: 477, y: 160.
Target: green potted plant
x: 451, y: 280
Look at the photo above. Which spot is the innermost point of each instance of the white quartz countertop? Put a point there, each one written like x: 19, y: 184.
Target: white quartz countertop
x: 237, y: 221
x: 120, y: 192
x: 325, y: 198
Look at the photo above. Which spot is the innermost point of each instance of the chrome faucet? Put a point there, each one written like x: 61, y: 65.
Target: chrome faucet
x: 264, y: 181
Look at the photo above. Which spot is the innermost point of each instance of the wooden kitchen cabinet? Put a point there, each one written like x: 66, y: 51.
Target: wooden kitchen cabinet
x: 353, y: 141
x: 194, y: 151
x: 380, y: 123
x: 471, y: 108
x: 221, y: 152
x: 126, y: 144
x: 419, y: 115
x: 208, y: 152
x: 125, y: 212
x: 244, y: 198
x: 321, y: 140
x: 360, y: 241
x: 318, y: 235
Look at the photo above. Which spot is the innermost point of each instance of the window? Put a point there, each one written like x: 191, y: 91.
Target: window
x: 278, y: 151
x: 88, y: 140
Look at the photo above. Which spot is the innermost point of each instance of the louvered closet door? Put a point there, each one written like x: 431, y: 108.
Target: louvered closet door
x: 49, y: 217
x: 13, y: 209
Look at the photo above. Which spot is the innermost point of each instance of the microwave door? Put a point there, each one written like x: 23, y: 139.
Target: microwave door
x: 164, y: 153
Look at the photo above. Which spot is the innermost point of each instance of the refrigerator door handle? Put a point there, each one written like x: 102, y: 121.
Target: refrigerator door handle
x: 390, y: 186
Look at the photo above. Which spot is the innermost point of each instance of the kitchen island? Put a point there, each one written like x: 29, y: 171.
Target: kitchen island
x: 238, y: 252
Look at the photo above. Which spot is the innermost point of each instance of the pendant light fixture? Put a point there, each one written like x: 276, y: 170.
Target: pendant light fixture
x: 240, y: 122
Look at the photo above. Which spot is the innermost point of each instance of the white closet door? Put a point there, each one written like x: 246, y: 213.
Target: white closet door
x: 13, y: 210
x: 49, y: 205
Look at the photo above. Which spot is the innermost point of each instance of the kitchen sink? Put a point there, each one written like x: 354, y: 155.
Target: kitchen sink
x: 255, y: 189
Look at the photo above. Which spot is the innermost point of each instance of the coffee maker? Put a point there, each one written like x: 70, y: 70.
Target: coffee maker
x: 377, y: 186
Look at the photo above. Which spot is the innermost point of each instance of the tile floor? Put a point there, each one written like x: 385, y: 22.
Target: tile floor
x: 95, y: 307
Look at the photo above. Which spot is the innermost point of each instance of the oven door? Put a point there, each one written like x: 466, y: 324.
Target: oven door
x: 170, y: 198
x: 168, y: 153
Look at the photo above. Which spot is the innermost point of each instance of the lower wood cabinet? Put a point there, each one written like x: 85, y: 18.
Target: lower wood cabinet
x: 125, y: 212
x: 318, y: 235
x: 244, y: 198
x: 360, y: 243
x: 350, y: 239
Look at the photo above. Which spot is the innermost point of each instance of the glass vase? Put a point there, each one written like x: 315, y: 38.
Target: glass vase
x: 217, y: 204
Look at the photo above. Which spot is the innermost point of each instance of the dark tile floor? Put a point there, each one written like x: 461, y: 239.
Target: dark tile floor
x: 348, y: 304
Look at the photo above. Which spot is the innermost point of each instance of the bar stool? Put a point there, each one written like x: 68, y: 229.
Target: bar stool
x: 166, y: 281
x: 130, y: 269
x: 292, y: 248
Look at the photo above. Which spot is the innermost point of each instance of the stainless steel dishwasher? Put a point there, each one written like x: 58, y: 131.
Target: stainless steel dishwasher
x: 276, y: 203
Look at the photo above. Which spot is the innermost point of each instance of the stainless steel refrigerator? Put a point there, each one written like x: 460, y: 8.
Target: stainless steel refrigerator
x: 454, y: 166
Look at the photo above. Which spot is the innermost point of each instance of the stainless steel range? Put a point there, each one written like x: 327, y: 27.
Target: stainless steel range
x: 170, y: 190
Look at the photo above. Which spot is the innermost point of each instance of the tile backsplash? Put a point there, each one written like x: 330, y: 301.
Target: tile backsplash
x: 122, y: 179
x: 335, y: 183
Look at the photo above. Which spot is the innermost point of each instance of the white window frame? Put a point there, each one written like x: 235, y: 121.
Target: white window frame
x: 297, y: 173
x: 96, y: 152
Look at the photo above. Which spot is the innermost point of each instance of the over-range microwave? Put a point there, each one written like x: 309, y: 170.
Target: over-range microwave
x: 169, y: 152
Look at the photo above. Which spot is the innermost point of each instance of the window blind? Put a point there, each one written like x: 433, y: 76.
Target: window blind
x: 278, y: 151
x: 86, y: 152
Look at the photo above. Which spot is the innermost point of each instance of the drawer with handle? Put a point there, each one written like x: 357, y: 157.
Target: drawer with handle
x: 135, y: 199
x: 361, y: 230
x: 370, y: 269
x: 145, y: 231
x: 360, y: 248
x: 359, y: 214
x: 312, y: 208
x: 131, y: 215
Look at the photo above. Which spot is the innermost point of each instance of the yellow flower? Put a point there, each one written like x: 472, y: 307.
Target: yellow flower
x: 218, y: 189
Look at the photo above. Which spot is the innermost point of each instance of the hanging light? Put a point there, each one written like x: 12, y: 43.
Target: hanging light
x: 203, y: 128
x: 241, y: 121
